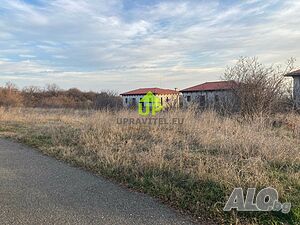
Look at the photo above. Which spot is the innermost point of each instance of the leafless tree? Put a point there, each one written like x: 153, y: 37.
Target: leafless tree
x: 31, y: 96
x: 10, y: 96
x: 52, y: 89
x: 260, y: 89
x: 108, y: 100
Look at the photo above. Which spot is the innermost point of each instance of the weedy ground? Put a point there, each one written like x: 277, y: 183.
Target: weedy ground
x: 192, y: 166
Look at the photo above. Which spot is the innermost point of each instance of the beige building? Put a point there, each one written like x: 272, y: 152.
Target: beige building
x: 168, y: 97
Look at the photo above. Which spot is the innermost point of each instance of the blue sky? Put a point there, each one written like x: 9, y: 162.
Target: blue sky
x: 120, y: 45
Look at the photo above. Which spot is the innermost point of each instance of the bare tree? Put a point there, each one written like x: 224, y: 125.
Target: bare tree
x: 31, y: 96
x: 10, y: 96
x: 260, y: 89
x: 108, y: 100
x: 52, y: 89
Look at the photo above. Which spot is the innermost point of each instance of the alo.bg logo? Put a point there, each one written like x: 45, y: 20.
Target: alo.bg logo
x: 149, y: 103
x: 266, y: 200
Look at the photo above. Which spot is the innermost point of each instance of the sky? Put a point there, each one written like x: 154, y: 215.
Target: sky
x: 127, y: 44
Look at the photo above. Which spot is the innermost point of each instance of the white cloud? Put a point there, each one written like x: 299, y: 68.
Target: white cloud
x: 27, y: 56
x: 107, y: 44
x: 24, y: 12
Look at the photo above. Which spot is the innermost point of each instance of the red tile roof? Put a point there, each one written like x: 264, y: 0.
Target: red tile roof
x: 294, y: 73
x: 212, y: 86
x: 143, y: 91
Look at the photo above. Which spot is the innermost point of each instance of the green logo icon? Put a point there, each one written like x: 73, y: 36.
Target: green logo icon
x: 149, y: 103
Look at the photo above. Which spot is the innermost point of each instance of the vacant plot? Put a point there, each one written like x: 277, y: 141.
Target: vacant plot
x: 193, y: 166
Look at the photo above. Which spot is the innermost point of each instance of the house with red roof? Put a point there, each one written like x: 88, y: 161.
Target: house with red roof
x: 296, y: 93
x: 210, y: 93
x: 168, y: 97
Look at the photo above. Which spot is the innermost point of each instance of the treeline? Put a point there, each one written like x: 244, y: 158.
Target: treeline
x: 52, y: 96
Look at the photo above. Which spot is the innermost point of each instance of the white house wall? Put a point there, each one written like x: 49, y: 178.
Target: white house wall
x: 130, y: 99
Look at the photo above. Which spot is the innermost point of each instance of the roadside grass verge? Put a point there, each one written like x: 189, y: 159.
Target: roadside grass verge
x: 192, y: 166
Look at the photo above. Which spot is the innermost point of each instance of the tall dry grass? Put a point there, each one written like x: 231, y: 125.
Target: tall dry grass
x: 193, y: 166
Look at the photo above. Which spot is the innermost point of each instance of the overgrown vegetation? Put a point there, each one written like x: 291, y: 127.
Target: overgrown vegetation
x: 260, y: 89
x: 193, y: 166
x: 53, y: 97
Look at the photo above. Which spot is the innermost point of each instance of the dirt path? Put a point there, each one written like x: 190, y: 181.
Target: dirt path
x: 36, y: 189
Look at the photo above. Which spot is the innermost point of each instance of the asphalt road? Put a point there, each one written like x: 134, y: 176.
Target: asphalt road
x: 37, y: 189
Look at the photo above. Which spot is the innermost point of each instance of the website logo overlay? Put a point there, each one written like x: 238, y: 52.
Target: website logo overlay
x: 266, y: 200
x: 149, y: 103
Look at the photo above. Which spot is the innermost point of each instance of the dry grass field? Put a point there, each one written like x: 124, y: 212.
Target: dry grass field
x: 192, y: 166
